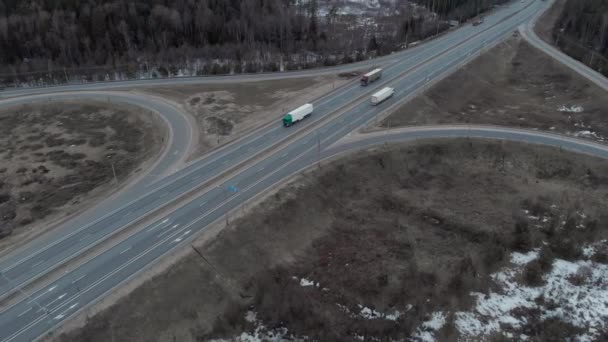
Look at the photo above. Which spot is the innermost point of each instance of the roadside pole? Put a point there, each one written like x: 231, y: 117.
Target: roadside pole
x: 319, y: 150
x: 114, y: 173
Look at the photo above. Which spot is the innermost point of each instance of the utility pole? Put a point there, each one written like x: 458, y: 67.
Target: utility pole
x: 319, y: 150
x: 114, y: 173
x: 225, y: 201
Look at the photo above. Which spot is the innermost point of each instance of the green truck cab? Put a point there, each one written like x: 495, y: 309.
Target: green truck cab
x: 287, y: 120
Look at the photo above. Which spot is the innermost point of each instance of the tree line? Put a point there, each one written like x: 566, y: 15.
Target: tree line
x: 101, y: 36
x: 98, y: 32
x: 582, y: 31
x: 459, y: 9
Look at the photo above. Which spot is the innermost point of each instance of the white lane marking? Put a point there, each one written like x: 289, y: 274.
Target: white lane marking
x: 163, y: 233
x: 126, y: 250
x: 79, y: 278
x: 24, y: 312
x: 42, y: 294
x: 37, y: 264
x: 182, y: 236
x: 61, y: 315
x: 202, y: 204
x: 157, y: 225
x: 49, y: 304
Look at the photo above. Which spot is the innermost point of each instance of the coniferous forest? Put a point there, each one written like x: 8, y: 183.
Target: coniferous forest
x: 582, y: 32
x: 59, y: 40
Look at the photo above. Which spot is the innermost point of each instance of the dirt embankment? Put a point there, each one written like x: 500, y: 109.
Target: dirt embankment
x: 224, y: 112
x: 57, y: 158
x: 384, y: 243
x: 512, y: 85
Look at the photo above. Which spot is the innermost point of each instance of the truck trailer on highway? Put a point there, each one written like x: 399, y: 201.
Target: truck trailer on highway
x: 371, y: 77
x: 382, y: 95
x: 297, y: 114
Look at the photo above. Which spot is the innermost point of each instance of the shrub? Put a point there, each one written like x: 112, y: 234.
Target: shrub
x: 522, y: 242
x: 581, y: 276
x: 545, y: 259
x: 533, y: 274
x: 565, y: 248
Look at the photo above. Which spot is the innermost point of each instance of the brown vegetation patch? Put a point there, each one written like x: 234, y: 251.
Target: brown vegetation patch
x: 412, y: 228
x: 513, y: 85
x: 57, y: 157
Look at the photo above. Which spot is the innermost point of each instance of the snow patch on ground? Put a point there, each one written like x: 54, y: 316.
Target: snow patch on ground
x: 368, y: 313
x: 584, y: 306
x: 570, y: 109
x: 261, y: 333
x: 426, y: 331
x: 305, y: 282
x: 523, y: 258
x: 589, y: 135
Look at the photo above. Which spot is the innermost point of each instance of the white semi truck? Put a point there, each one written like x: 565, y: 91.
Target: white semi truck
x: 371, y: 77
x: 382, y: 95
x: 297, y: 114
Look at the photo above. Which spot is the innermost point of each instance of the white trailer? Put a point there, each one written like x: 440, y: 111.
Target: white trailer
x: 382, y: 95
x: 297, y: 114
x: 371, y: 77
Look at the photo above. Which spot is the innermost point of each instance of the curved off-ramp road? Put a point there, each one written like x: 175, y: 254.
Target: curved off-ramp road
x: 295, y: 149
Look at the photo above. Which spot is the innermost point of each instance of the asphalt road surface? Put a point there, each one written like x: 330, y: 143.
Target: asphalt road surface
x: 419, y: 66
x: 52, y: 304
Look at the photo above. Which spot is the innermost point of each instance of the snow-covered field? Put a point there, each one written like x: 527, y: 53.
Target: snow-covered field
x: 583, y: 305
x: 575, y: 292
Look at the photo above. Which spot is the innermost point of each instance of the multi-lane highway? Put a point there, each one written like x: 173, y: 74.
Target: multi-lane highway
x: 335, y: 116
x: 419, y: 65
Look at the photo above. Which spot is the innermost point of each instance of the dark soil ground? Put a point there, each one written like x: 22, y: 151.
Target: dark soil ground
x: 512, y: 85
x: 410, y: 228
x: 57, y: 157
